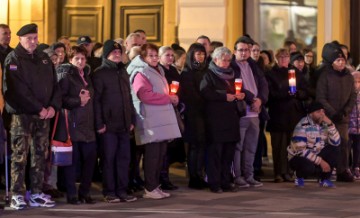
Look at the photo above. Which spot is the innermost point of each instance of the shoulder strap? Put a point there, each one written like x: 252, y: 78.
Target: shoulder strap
x: 66, y: 122
x: 55, y: 125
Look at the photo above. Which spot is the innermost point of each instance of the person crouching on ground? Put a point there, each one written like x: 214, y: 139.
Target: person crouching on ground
x: 314, y: 147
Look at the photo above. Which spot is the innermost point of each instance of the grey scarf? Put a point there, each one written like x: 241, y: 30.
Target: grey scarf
x: 222, y: 73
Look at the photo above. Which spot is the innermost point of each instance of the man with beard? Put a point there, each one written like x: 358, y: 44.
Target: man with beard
x: 314, y: 147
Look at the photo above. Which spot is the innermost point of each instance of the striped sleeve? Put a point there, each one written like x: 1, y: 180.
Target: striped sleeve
x: 333, y: 136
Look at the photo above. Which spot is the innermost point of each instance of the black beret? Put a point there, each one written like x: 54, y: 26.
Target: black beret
x: 296, y: 56
x: 109, y: 46
x: 314, y: 106
x: 83, y: 40
x: 331, y: 52
x: 27, y: 29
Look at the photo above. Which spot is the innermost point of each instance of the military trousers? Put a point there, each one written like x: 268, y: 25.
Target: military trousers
x: 29, y: 133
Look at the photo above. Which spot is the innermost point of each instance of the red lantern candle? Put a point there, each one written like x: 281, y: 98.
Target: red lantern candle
x: 238, y: 86
x: 174, y: 86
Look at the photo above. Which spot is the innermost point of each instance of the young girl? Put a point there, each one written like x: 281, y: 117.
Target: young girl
x: 354, y: 128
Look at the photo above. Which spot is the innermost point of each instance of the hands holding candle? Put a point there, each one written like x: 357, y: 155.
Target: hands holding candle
x: 174, y: 86
x: 238, y: 85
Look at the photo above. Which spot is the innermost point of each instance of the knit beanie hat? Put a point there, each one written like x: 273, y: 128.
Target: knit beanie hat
x: 331, y: 52
x: 109, y: 46
x: 314, y: 106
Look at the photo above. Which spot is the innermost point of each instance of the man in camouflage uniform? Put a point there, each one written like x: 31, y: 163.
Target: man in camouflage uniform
x: 32, y: 95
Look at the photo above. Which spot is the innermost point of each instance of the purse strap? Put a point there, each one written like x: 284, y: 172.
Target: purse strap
x: 66, y: 122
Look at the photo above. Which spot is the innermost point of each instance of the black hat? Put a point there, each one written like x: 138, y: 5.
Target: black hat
x: 314, y: 106
x: 331, y: 52
x: 27, y: 29
x: 109, y: 46
x: 58, y: 45
x: 83, y: 40
x: 296, y: 56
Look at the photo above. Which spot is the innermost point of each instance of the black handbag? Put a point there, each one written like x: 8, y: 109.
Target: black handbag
x: 61, y: 152
x: 179, y: 120
x: 241, y: 108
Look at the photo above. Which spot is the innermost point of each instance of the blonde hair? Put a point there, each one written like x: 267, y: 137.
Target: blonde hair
x: 164, y: 49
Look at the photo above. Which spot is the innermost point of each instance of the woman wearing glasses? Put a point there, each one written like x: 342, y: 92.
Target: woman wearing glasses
x: 156, y: 122
x: 285, y: 110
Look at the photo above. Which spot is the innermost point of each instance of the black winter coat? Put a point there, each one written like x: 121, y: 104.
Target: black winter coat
x: 285, y: 110
x: 81, y: 118
x: 335, y: 91
x: 194, y: 114
x: 171, y: 74
x: 30, y: 82
x: 221, y: 116
x: 3, y: 53
x: 113, y: 102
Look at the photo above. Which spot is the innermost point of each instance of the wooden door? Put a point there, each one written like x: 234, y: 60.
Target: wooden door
x: 129, y: 15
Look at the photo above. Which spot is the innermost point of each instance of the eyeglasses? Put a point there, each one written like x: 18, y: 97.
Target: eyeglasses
x: 242, y: 50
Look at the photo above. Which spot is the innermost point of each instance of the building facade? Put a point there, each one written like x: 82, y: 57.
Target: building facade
x: 168, y: 21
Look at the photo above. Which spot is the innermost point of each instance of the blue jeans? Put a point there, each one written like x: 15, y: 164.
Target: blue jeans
x: 245, y: 149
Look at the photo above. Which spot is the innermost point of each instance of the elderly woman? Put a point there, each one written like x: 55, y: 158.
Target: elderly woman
x: 285, y: 110
x: 77, y: 92
x: 156, y: 122
x: 218, y: 90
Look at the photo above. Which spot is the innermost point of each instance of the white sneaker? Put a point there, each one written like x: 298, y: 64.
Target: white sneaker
x: 154, y: 194
x: 18, y: 202
x: 41, y: 200
x: 165, y: 194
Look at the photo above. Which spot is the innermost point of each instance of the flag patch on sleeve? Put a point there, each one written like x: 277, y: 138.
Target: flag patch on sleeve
x: 13, y: 67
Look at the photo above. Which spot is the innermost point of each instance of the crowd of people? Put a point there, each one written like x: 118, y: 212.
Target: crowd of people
x: 127, y: 102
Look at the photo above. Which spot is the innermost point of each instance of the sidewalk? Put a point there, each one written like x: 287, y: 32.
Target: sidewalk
x: 276, y: 200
